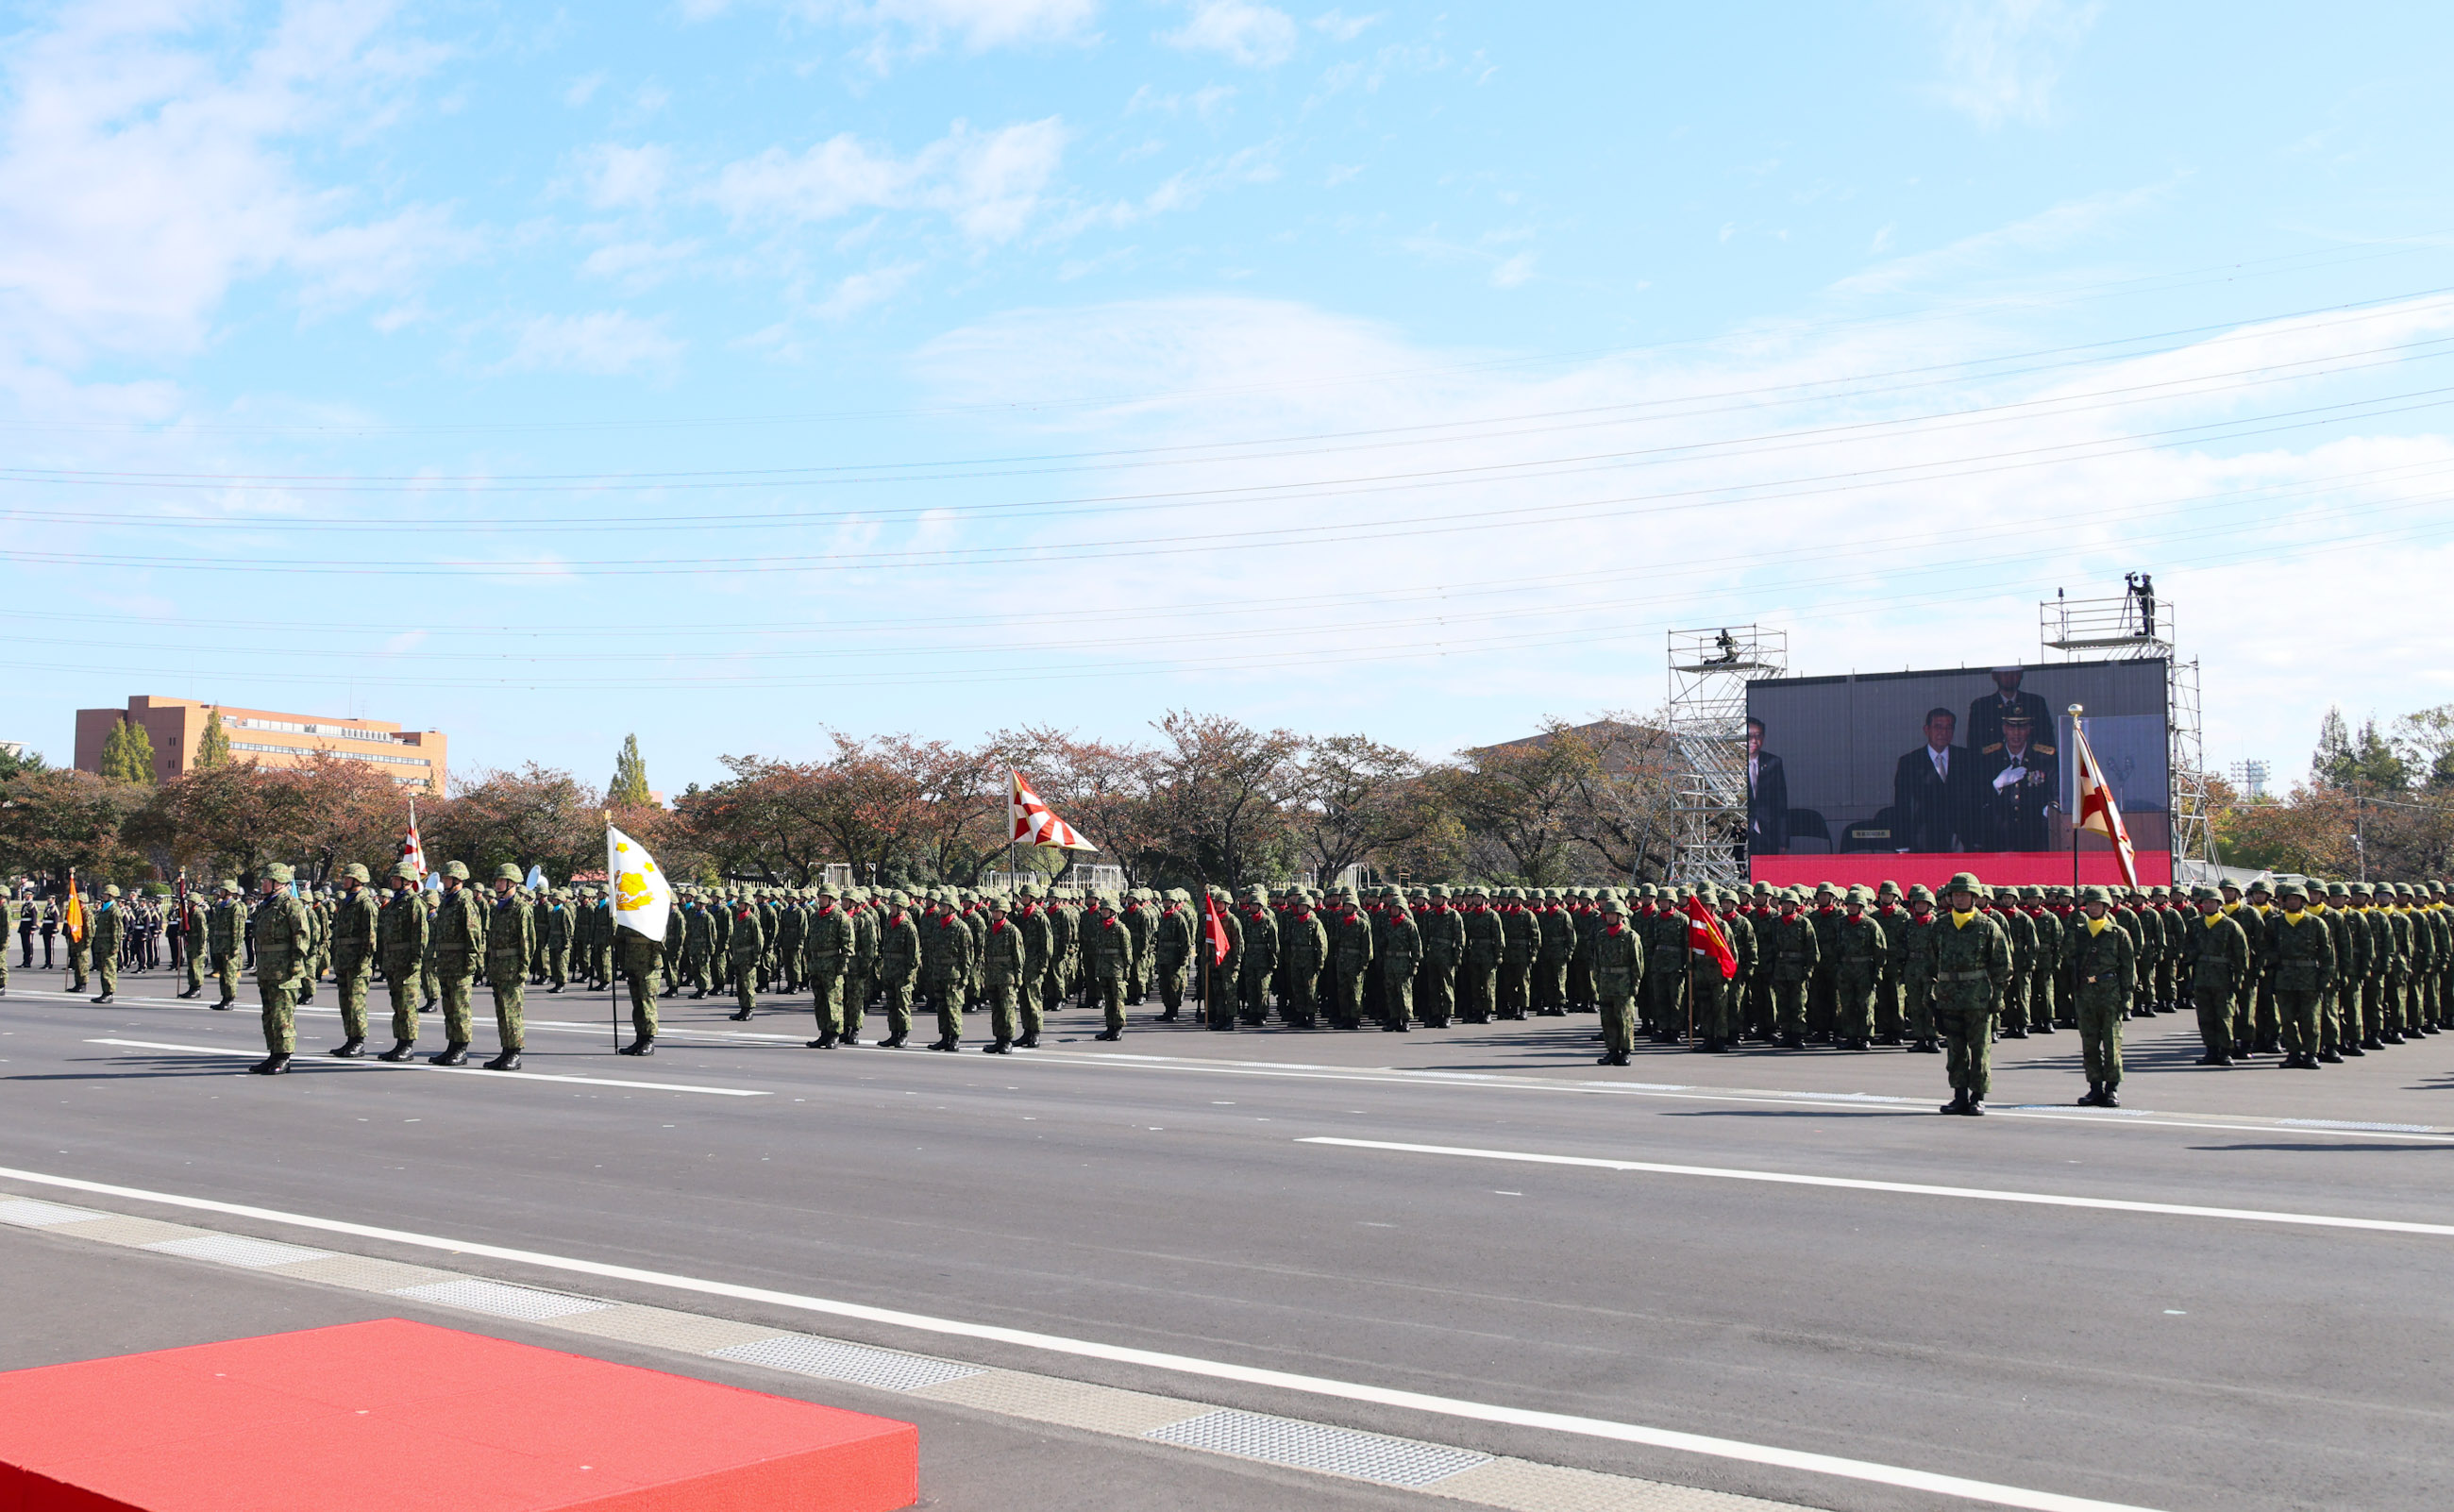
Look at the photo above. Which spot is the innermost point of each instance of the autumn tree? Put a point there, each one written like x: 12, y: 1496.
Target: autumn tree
x: 1521, y: 799
x: 629, y: 789
x: 213, y: 745
x: 53, y: 819
x: 1220, y: 790
x: 1355, y: 799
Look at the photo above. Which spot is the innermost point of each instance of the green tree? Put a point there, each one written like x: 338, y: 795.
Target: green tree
x: 2366, y: 763
x: 13, y: 762
x: 213, y: 747
x: 128, y: 753
x: 630, y: 786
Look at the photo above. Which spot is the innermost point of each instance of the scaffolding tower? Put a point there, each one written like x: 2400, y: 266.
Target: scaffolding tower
x: 2139, y: 626
x: 1709, y: 673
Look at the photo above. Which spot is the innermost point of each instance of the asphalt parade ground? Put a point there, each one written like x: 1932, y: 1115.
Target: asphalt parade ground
x: 1311, y: 1268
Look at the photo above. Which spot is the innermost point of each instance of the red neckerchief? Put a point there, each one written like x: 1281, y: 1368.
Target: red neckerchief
x: 996, y: 926
x: 1617, y: 927
x: 1108, y: 922
x: 895, y: 919
x: 949, y: 921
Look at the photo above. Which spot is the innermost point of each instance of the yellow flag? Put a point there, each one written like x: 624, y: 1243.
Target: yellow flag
x: 641, y: 896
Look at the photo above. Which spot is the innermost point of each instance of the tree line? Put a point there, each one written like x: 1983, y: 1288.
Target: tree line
x: 1206, y: 797
x: 2377, y: 801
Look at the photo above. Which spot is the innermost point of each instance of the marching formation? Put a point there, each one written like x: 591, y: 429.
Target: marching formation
x: 2307, y: 971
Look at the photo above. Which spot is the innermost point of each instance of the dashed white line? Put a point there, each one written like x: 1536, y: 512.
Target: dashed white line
x: 326, y: 1064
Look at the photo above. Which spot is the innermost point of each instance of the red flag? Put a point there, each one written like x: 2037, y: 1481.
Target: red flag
x: 1705, y: 938
x: 1214, y: 929
x: 1035, y: 823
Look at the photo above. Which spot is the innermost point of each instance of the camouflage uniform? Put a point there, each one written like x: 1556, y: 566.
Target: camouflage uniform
x: 282, y: 935
x: 458, y: 936
x: 401, y: 931
x: 2103, y: 962
x: 1972, y: 963
x: 353, y: 954
x: 511, y: 941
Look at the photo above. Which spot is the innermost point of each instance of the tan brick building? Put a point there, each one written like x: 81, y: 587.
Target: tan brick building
x: 409, y: 758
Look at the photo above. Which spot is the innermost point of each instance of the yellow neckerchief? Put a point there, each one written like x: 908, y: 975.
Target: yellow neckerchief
x: 2214, y: 918
x: 1960, y: 921
x: 2097, y: 926
x: 2229, y: 909
x: 2294, y: 919
x: 2261, y: 910
x: 2313, y: 908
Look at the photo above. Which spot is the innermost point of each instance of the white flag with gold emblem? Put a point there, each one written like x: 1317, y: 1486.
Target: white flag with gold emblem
x: 642, y: 897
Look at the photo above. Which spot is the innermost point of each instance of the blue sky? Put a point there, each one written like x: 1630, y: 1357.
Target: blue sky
x: 727, y: 372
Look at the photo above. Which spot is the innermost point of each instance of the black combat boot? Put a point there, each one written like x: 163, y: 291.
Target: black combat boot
x: 401, y: 1050
x: 1109, y: 1034
x: 349, y: 1049
x: 507, y: 1060
x: 740, y: 1018
x: 999, y: 1048
x: 639, y: 1045
x: 2095, y: 1090
x: 272, y: 1065
x: 892, y: 1042
x: 850, y: 1036
x: 2329, y: 1058
x: 454, y: 1054
x: 1959, y: 1103
x: 2107, y: 1099
x: 1029, y: 1042
x: 192, y: 992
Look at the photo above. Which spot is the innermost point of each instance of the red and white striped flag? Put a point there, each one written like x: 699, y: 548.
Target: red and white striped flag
x: 411, y: 851
x: 2097, y: 810
x: 1033, y: 823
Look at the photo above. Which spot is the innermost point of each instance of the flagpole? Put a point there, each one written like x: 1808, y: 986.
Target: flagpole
x: 614, y: 946
x: 2075, y: 710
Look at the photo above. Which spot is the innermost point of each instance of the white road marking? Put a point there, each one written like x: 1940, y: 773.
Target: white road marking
x: 2246, y: 1215
x: 370, y: 1064
x: 1950, y: 1485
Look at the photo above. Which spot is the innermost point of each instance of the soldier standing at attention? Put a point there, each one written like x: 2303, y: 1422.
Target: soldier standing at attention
x: 1350, y: 948
x: 745, y: 945
x: 1400, y: 946
x: 1303, y: 951
x: 1520, y: 939
x: 953, y: 939
x: 1258, y: 958
x: 1001, y: 953
x: 2217, y: 959
x: 638, y: 960
x: 1618, y: 970
x: 2021, y: 931
x: 225, y: 938
x: 898, y: 960
x: 2298, y: 956
x: 282, y: 940
x: 827, y: 947
x: 1107, y: 946
x: 1972, y: 963
x: 403, y: 933
x: 1443, y: 934
x: 1476, y: 976
x: 510, y: 942
x: 459, y: 935
x: 353, y: 946
x: 105, y: 932
x: 192, y: 924
x: 1794, y: 947
x: 1171, y: 949
x: 1913, y: 958
x: 1861, y: 947
x: 1032, y: 922
x: 2101, y: 963
x: 1667, y: 972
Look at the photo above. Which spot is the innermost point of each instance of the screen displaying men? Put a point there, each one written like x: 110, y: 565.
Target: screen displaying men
x: 1949, y: 762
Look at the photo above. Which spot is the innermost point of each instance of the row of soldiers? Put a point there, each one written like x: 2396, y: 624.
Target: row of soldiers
x: 1846, y: 967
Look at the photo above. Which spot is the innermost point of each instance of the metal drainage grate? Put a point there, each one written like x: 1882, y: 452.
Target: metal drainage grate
x: 238, y: 1249
x: 890, y: 1369
x: 502, y: 1300
x: 27, y: 1213
x: 2372, y: 1128
x: 1318, y: 1446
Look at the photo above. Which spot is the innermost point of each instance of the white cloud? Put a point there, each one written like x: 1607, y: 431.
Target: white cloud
x: 861, y: 291
x: 1255, y: 35
x: 608, y: 343
x: 1513, y: 271
x: 2004, y: 58
x: 639, y: 264
x: 988, y: 183
x: 1857, y: 512
x: 922, y: 25
x: 583, y: 89
x: 625, y: 178
x: 145, y: 170
x: 1339, y: 26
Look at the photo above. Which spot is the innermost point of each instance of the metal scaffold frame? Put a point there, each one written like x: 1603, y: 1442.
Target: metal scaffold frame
x: 1709, y: 673
x: 2139, y: 626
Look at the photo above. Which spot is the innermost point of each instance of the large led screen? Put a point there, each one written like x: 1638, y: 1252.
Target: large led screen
x: 1916, y: 775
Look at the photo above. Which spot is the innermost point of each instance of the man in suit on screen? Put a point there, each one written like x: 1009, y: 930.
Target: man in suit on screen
x: 1934, y: 790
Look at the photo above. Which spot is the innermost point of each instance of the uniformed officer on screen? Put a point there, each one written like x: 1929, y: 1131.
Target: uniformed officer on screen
x: 1983, y: 734
x: 2022, y: 782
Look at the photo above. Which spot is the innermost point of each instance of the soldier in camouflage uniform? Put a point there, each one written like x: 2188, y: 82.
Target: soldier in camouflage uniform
x: 1618, y: 970
x: 1443, y: 934
x: 510, y: 942
x: 1856, y: 972
x: 745, y: 946
x: 1303, y: 951
x: 2299, y: 959
x: 1792, y: 945
x: 827, y: 942
x: 2214, y: 958
x: 1398, y: 946
x: 402, y: 939
x: 2103, y: 962
x: 1666, y: 972
x: 1259, y: 959
x: 1478, y: 974
x: 898, y: 962
x: 105, y: 931
x: 1171, y: 950
x: 1350, y: 957
x: 458, y: 936
x: 353, y: 956
x: 1107, y: 946
x: 1913, y: 959
x: 1972, y: 963
x: 281, y: 945
x: 1001, y: 954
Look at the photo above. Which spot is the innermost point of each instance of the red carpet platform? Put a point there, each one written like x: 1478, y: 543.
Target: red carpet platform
x: 396, y: 1416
